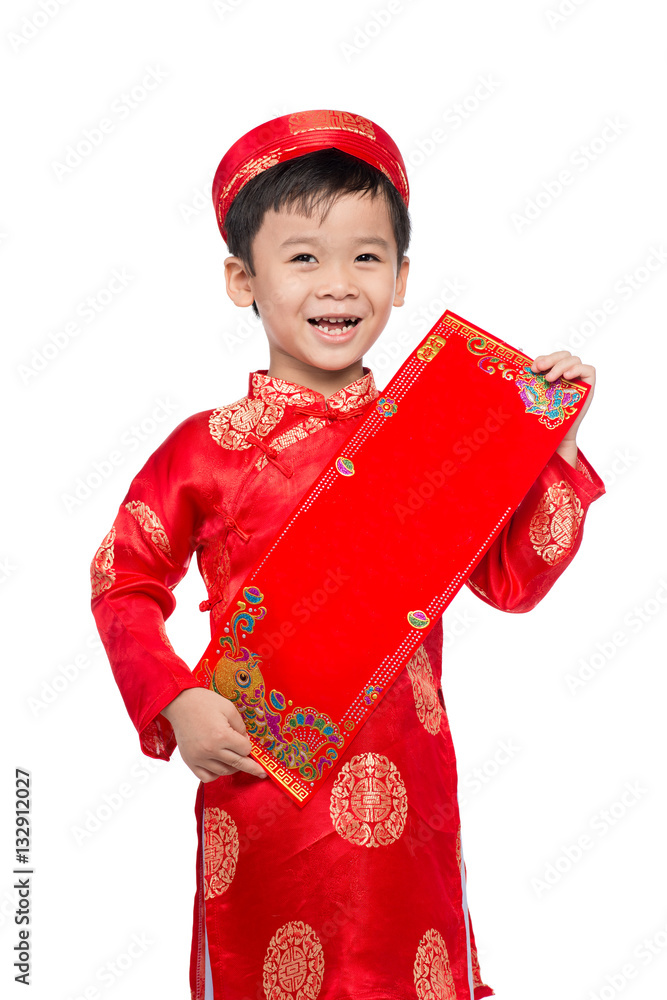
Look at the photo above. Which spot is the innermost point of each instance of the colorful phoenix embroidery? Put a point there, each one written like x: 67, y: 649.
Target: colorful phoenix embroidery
x: 302, y: 739
x: 550, y: 401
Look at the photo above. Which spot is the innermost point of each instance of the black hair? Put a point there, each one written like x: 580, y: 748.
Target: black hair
x: 307, y: 182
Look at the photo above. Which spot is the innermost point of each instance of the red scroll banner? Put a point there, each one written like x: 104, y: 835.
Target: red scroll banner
x: 386, y: 537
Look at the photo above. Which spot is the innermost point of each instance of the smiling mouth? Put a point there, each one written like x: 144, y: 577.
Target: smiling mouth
x: 334, y: 324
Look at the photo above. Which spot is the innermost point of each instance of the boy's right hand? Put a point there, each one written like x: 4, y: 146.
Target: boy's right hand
x: 211, y: 735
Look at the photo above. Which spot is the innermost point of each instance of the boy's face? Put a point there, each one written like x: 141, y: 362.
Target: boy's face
x: 324, y: 290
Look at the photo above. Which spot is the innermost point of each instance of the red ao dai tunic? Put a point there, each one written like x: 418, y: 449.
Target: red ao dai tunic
x: 359, y: 895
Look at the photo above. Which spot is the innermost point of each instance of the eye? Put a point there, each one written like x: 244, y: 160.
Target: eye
x: 242, y: 678
x: 370, y: 256
x: 300, y: 257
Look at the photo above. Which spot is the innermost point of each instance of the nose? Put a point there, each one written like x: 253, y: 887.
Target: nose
x: 336, y: 281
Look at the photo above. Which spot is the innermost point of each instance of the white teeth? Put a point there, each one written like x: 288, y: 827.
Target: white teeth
x: 341, y: 329
x: 342, y: 323
x: 335, y: 319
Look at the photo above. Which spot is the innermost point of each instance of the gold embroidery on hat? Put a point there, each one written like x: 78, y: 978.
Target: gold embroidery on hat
x: 309, y: 121
x: 247, y: 171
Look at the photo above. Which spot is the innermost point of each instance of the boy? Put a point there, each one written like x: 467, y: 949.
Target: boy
x: 360, y: 895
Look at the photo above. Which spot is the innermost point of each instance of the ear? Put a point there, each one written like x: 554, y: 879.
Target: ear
x: 401, y: 282
x: 237, y: 280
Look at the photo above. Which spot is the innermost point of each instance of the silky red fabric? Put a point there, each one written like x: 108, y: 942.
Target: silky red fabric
x: 361, y: 893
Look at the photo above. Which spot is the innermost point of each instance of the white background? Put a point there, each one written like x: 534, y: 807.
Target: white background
x: 139, y: 203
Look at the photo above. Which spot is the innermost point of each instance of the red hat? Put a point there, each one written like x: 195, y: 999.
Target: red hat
x: 304, y: 132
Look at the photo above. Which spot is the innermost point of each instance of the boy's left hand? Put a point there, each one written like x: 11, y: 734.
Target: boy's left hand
x: 562, y: 363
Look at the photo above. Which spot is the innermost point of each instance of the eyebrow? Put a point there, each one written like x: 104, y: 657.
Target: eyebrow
x: 376, y: 241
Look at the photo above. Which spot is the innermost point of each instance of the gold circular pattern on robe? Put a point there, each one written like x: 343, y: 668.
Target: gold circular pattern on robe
x: 294, y: 963
x: 102, y: 573
x: 554, y: 524
x: 432, y: 971
x: 369, y: 801
x: 149, y: 522
x: 427, y: 704
x: 221, y: 851
x: 230, y: 424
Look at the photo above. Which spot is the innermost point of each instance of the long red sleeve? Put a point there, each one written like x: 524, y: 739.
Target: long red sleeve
x: 540, y: 539
x: 134, y: 571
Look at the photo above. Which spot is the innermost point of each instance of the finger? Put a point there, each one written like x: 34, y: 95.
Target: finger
x: 574, y: 370
x: 216, y: 769
x: 559, y: 370
x: 251, y: 766
x: 239, y: 763
x: 543, y: 361
x: 568, y: 367
x: 229, y: 739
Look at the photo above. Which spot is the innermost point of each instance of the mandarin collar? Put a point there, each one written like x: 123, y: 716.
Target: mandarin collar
x: 277, y: 390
